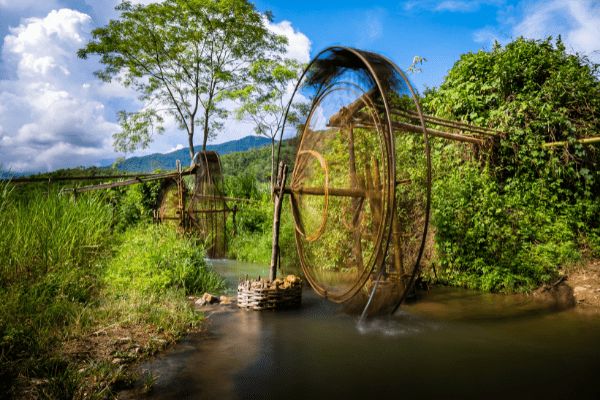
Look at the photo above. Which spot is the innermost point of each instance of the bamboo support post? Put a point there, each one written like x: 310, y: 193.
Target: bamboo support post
x: 356, y: 201
x: 281, y: 178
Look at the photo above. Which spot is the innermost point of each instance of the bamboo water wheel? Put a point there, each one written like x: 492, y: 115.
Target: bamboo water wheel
x: 207, y: 209
x: 202, y: 208
x: 360, y: 187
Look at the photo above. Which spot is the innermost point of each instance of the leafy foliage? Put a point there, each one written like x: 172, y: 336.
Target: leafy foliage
x: 133, y: 204
x: 184, y: 57
x: 264, y: 100
x: 535, y: 92
x: 154, y: 258
x: 511, y: 224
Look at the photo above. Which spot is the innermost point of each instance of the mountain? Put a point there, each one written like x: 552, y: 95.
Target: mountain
x: 166, y: 161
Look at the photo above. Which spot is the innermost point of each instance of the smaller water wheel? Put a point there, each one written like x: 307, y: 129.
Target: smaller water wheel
x: 171, y: 202
x: 207, y: 209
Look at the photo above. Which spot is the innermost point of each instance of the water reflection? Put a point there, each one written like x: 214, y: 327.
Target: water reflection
x: 447, y: 344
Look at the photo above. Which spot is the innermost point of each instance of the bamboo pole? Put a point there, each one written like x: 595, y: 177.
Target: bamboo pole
x: 73, y: 178
x: 448, y: 123
x: 338, y: 192
x: 281, y: 178
x: 588, y: 140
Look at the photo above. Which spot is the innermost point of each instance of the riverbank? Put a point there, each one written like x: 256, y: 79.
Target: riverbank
x: 81, y: 302
x: 468, y: 344
x: 585, y: 283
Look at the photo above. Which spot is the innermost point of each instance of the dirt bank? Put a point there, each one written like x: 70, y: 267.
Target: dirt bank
x: 585, y: 282
x: 579, y: 286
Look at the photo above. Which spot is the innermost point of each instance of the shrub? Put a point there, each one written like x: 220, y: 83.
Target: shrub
x: 154, y: 258
x: 511, y: 221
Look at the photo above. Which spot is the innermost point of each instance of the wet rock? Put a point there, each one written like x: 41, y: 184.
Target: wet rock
x: 225, y: 300
x: 207, y: 298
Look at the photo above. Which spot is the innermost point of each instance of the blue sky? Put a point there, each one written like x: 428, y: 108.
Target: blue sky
x: 396, y: 29
x: 54, y: 113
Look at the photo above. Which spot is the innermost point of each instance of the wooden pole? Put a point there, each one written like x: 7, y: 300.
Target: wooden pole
x: 281, y: 178
x: 589, y: 140
x: 233, y: 217
x: 356, y: 202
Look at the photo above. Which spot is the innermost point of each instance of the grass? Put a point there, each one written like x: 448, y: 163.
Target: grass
x: 253, y: 241
x: 79, y: 303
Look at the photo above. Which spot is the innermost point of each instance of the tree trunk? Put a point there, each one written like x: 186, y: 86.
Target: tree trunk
x: 191, y: 144
x: 272, y: 164
x: 206, y: 124
x: 205, y: 139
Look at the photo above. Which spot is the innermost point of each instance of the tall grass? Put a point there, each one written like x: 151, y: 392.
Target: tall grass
x: 64, y: 274
x: 49, y: 233
x: 48, y: 262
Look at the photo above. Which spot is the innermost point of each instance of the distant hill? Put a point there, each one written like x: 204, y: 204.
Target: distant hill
x: 166, y: 161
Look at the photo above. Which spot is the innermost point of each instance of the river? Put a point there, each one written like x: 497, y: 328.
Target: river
x: 449, y: 343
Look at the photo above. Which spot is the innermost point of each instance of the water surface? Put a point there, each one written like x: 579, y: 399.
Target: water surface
x: 448, y: 344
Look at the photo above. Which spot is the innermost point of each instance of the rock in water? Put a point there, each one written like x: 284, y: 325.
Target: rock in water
x: 207, y: 298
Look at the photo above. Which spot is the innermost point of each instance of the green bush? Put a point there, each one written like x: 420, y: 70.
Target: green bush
x: 511, y: 220
x: 494, y: 238
x: 254, y: 234
x: 154, y: 258
x: 133, y: 204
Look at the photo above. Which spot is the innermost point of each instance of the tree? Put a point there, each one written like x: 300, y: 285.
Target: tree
x: 184, y: 57
x: 265, y: 99
x: 535, y: 91
x: 511, y: 223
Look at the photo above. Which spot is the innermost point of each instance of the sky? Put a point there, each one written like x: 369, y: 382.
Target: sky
x: 54, y: 113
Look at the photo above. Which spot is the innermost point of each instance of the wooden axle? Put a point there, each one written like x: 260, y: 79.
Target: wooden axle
x: 432, y: 132
x: 345, y: 192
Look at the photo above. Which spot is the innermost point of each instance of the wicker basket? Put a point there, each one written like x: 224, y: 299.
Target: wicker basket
x: 262, y: 295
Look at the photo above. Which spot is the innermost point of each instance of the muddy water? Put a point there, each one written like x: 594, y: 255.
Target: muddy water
x: 448, y: 344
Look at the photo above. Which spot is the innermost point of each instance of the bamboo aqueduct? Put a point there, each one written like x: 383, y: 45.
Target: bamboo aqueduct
x: 360, y: 187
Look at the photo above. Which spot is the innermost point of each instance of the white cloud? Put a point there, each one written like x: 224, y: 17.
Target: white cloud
x: 488, y: 35
x: 456, y: 6
x: 374, y: 24
x: 578, y: 22
x: 298, y: 46
x: 179, y: 146
x: 53, y: 112
x: 51, y: 116
x: 449, y: 5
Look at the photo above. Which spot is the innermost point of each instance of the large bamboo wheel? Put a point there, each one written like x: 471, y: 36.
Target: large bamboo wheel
x: 360, y: 187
